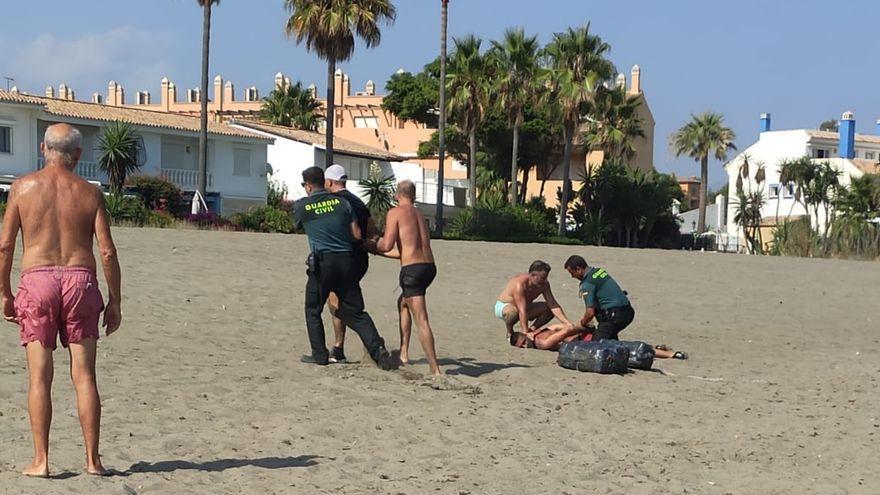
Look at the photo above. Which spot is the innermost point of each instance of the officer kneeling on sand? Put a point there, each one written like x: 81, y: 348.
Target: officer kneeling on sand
x: 332, y: 228
x: 603, y: 298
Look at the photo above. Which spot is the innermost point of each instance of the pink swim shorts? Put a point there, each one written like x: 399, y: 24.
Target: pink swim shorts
x: 53, y: 301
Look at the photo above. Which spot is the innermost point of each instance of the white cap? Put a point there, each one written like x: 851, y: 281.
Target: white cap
x: 335, y: 172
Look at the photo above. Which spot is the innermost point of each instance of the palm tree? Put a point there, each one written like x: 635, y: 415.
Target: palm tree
x: 615, y: 124
x: 120, y: 152
x: 441, y: 152
x: 469, y: 87
x: 203, y: 95
x: 577, y: 65
x: 329, y: 28
x: 798, y: 172
x: 516, y: 61
x: 292, y: 106
x: 704, y: 135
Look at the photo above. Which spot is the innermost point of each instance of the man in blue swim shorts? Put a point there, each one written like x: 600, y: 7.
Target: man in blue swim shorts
x: 517, y: 301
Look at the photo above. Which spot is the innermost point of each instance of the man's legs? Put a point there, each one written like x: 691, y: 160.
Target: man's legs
x: 405, y: 320
x: 419, y: 309
x: 338, y: 328
x: 316, y: 296
x: 538, y: 311
x: 88, y: 402
x: 40, y: 373
x: 351, y: 310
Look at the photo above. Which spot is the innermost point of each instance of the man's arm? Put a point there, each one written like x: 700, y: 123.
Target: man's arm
x: 554, y: 306
x: 589, y: 302
x: 110, y: 262
x: 392, y: 233
x: 519, y: 300
x: 11, y: 225
x: 555, y: 339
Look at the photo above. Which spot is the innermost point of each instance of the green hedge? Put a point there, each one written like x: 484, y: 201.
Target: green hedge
x: 264, y: 219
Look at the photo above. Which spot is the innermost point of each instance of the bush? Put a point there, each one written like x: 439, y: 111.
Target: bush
x: 264, y: 219
x: 508, y: 223
x: 158, y: 193
x: 208, y: 220
x: 126, y: 209
x: 160, y: 219
x: 793, y: 238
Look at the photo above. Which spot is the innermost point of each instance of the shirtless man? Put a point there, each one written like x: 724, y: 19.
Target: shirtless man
x: 517, y: 301
x: 406, y: 230
x: 59, y: 214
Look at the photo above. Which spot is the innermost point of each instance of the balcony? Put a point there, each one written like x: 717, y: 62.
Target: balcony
x: 87, y: 170
x: 185, y: 179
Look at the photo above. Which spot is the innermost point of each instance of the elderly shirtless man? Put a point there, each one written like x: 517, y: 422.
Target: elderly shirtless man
x: 59, y: 214
x: 517, y: 301
x: 406, y: 230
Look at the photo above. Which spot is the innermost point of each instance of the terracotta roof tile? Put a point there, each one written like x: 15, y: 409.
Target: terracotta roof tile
x: 318, y: 139
x: 108, y: 113
x: 860, y: 138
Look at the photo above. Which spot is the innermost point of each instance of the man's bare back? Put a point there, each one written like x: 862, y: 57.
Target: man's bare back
x: 413, y: 239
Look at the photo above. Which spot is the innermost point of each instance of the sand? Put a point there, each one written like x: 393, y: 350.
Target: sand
x: 203, y: 391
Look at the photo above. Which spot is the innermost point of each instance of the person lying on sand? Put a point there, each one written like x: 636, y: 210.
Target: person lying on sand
x: 517, y: 301
x: 551, y: 338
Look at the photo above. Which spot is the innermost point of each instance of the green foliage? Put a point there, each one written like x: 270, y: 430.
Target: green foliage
x: 330, y: 28
x: 507, y: 223
x: 380, y: 194
x: 276, y: 192
x: 161, y: 219
x: 615, y: 124
x: 413, y: 97
x: 2, y: 208
x: 120, y: 151
x: 292, y: 106
x: 125, y: 209
x: 264, y: 219
x: 158, y: 193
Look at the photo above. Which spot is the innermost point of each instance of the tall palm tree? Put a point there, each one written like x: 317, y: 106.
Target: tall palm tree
x: 119, y: 153
x: 577, y: 65
x: 441, y: 152
x: 518, y: 70
x: 469, y: 87
x: 704, y: 135
x: 615, y: 124
x: 203, y: 95
x: 330, y: 28
x: 292, y: 106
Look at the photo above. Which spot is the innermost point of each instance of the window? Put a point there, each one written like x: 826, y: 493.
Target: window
x: 241, y: 166
x: 366, y: 122
x: 788, y: 193
x: 870, y: 155
x: 774, y: 191
x: 5, y: 139
x: 820, y: 153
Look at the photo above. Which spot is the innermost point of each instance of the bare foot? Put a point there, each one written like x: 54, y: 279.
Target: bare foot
x: 404, y: 358
x: 96, y: 469
x: 37, y: 470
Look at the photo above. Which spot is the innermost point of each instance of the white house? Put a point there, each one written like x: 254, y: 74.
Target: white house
x: 852, y: 154
x: 236, y: 158
x: 295, y: 150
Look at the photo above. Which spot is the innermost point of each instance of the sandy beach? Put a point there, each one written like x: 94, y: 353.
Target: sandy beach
x: 203, y: 391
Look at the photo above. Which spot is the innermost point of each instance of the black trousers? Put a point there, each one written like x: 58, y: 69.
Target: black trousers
x: 334, y: 272
x: 612, y: 322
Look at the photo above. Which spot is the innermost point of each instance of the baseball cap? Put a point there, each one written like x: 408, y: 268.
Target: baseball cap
x: 335, y: 172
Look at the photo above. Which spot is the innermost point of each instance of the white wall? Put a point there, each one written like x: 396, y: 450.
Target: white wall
x: 23, y: 158
x: 226, y: 183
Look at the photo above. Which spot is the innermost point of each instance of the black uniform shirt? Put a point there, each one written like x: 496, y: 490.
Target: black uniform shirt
x: 327, y: 221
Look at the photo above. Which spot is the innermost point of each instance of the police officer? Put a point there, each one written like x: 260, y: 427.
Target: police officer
x: 603, y: 298
x: 332, y: 229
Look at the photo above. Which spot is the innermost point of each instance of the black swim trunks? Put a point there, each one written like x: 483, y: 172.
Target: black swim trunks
x: 415, y: 279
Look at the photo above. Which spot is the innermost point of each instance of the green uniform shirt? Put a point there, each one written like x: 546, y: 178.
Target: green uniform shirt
x: 327, y: 220
x: 600, y: 291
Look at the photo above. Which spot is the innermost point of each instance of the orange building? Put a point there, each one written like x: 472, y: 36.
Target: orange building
x: 691, y: 188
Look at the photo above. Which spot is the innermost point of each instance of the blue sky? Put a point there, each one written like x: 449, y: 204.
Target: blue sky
x: 802, y: 60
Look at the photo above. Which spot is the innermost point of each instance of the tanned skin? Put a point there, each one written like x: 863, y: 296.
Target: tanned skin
x: 59, y: 214
x: 519, y: 296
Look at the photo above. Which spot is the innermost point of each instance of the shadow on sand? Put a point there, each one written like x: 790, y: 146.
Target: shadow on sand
x: 470, y: 367
x: 222, y: 464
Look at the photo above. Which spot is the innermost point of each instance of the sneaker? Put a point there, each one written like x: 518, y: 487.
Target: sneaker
x: 311, y: 359
x: 337, y: 355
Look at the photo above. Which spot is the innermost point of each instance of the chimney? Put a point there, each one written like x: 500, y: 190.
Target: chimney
x: 111, y: 93
x: 636, y: 76
x: 847, y: 147
x: 251, y: 94
x: 142, y: 98
x: 120, y: 95
x: 163, y: 94
x: 621, y: 81
x: 218, y: 92
x: 313, y: 90
x: 97, y: 98
x: 371, y: 88
x: 14, y: 90
x: 337, y: 87
x: 50, y: 92
x: 228, y: 92
x: 172, y: 93
x: 279, y: 80
x: 346, y: 85
x: 765, y: 122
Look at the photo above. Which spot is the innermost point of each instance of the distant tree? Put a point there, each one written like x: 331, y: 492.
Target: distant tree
x: 413, y: 97
x: 703, y: 135
x: 292, y: 106
x: 119, y: 153
x: 206, y: 6
x: 615, y: 124
x: 831, y: 125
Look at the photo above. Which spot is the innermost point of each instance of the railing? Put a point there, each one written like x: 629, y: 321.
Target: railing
x: 185, y: 178
x: 426, y: 193
x: 86, y: 170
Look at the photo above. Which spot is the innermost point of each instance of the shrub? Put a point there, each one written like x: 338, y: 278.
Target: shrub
x: 126, y: 209
x: 509, y: 223
x: 158, y: 193
x: 160, y: 219
x: 264, y: 219
x: 208, y: 220
x: 793, y: 238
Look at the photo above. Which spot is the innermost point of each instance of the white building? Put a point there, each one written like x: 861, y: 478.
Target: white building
x: 852, y: 154
x: 236, y: 158
x: 295, y: 150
